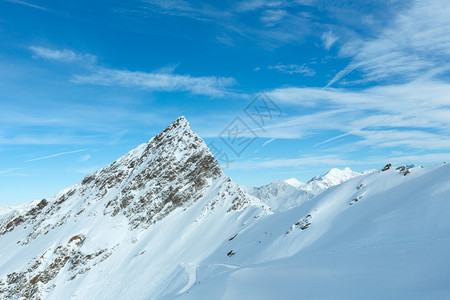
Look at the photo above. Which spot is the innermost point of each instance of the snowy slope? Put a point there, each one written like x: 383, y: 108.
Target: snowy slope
x: 164, y: 222
x: 393, y: 242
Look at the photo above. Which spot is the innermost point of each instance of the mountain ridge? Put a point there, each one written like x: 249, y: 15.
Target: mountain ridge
x: 171, y: 172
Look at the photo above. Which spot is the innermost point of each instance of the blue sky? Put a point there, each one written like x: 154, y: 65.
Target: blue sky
x: 347, y: 83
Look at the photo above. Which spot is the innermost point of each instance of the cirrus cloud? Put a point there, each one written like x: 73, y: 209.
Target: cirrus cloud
x: 64, y: 55
x: 163, y: 79
x: 416, y: 42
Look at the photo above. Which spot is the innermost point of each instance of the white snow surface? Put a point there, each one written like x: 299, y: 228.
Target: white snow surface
x: 353, y: 236
x: 294, y: 182
x: 334, y: 177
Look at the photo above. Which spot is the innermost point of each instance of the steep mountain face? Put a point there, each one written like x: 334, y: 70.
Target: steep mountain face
x: 61, y: 238
x: 164, y: 222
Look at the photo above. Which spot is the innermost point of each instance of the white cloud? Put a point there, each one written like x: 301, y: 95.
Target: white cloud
x: 251, y: 5
x: 342, y: 73
x: 413, y: 115
x: 231, y: 19
x: 328, y: 39
x: 158, y: 81
x: 178, y: 8
x: 272, y: 17
x: 56, y: 155
x: 415, y: 42
x: 84, y: 158
x: 28, y: 4
x: 87, y: 170
x: 42, y: 139
x: 268, y: 142
x: 8, y: 171
x: 64, y: 55
x: 225, y: 39
x: 292, y: 69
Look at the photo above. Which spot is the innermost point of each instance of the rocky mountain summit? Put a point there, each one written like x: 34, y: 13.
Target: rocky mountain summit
x: 174, y: 170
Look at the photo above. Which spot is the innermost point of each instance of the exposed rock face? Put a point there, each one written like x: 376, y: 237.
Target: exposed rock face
x: 175, y: 169
x: 28, y: 283
x: 171, y: 170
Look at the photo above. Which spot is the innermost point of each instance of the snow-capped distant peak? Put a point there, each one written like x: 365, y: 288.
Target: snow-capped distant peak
x: 333, y: 177
x: 294, y: 182
x: 282, y: 195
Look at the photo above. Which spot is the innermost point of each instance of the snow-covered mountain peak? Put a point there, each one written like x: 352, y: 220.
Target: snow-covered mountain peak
x: 172, y: 179
x: 294, y: 182
x: 178, y: 128
x: 333, y: 177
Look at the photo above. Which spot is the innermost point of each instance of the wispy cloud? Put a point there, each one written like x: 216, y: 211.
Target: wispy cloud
x: 268, y: 142
x: 413, y: 115
x: 44, y: 139
x: 292, y: 69
x: 163, y: 79
x: 99, y: 121
x: 225, y: 39
x: 272, y: 17
x: 8, y: 171
x: 87, y: 170
x: 158, y: 81
x: 280, y: 26
x: 84, y: 158
x: 342, y: 73
x: 328, y: 39
x: 28, y: 4
x: 177, y: 8
x: 251, y: 5
x: 64, y: 55
x: 415, y: 42
x: 55, y: 155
